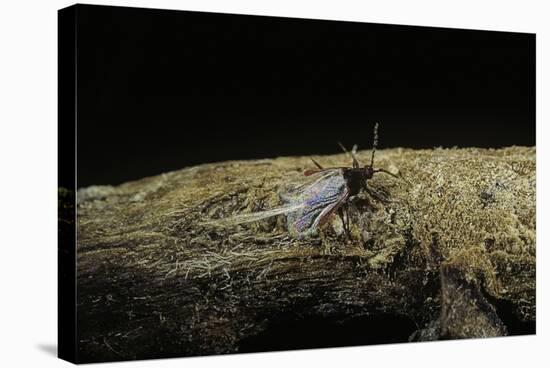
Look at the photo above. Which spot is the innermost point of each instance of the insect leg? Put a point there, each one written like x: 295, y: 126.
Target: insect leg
x: 346, y: 211
x: 317, y: 164
x: 374, y: 194
x: 353, y: 155
x: 343, y: 212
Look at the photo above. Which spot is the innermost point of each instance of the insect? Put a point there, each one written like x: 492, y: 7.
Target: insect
x: 309, y: 206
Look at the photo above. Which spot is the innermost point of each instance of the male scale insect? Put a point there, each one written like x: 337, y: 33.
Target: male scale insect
x: 308, y: 207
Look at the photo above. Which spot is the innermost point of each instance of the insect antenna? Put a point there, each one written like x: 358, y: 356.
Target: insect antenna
x: 387, y: 172
x: 374, y: 144
x: 353, y: 151
x: 392, y: 174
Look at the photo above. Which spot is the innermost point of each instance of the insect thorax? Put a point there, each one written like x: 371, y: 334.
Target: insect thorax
x: 354, y: 177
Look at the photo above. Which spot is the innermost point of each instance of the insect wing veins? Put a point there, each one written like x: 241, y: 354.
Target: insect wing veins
x: 319, y: 200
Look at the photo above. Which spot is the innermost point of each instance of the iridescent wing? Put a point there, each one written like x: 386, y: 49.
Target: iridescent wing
x: 315, y: 202
x: 306, y: 206
x: 254, y: 216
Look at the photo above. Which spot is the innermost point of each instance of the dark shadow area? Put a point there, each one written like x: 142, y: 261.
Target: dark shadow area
x: 50, y: 349
x: 289, y: 333
x: 162, y: 90
x: 515, y: 326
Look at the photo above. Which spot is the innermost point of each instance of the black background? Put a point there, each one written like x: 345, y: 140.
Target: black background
x: 162, y: 90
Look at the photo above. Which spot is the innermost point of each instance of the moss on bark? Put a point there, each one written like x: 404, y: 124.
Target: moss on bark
x: 453, y: 246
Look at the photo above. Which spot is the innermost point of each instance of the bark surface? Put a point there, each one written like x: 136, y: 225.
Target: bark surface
x: 452, y: 253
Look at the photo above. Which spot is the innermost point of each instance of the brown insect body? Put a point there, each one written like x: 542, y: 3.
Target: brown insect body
x: 310, y: 206
x: 354, y: 179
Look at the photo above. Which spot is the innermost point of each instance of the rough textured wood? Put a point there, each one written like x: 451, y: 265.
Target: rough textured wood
x: 453, y: 252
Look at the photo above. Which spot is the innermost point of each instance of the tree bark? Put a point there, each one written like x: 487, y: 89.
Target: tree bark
x: 452, y: 252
